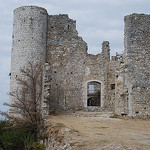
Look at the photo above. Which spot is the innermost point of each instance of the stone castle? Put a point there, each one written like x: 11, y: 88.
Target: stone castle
x: 76, y: 80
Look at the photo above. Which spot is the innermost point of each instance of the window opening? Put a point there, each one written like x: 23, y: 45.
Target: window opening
x: 91, y: 88
x: 112, y: 86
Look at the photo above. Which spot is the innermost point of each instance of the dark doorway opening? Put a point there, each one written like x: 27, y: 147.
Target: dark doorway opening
x: 93, y: 93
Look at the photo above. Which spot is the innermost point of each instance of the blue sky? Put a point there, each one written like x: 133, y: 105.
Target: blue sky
x: 97, y: 21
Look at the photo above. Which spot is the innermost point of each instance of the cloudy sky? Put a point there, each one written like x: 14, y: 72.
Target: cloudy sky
x: 97, y: 21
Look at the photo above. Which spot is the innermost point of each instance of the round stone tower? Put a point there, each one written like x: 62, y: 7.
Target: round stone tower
x: 28, y: 40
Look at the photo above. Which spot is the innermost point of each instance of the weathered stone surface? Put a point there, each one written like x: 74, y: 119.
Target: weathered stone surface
x: 28, y: 40
x: 137, y: 61
x: 124, y: 81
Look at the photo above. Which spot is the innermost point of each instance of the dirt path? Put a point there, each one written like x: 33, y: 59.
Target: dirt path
x: 96, y: 131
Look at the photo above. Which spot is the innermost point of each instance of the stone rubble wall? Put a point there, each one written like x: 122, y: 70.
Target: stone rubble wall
x: 121, y: 91
x: 137, y: 61
x: 68, y: 68
x: 96, y: 70
x: 66, y: 56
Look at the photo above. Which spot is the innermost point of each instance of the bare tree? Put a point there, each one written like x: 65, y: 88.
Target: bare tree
x: 26, y: 108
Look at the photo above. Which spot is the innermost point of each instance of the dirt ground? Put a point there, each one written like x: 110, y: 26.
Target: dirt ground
x: 97, y: 131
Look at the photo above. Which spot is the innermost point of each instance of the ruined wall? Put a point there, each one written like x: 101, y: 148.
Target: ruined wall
x: 137, y: 61
x: 93, y: 72
x: 97, y: 70
x: 71, y: 68
x: 111, y: 85
x: 121, y: 101
x: 123, y: 82
x: 29, y: 40
x: 53, y: 40
x: 66, y: 56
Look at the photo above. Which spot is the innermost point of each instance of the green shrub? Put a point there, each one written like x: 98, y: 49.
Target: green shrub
x: 28, y: 141
x: 13, y: 138
x: 115, y: 116
x: 53, y: 112
x: 17, y: 138
x: 38, y: 146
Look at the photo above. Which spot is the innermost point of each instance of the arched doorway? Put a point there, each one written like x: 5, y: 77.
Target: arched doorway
x: 93, y: 93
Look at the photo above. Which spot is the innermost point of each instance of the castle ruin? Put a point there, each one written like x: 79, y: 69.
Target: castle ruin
x: 76, y: 80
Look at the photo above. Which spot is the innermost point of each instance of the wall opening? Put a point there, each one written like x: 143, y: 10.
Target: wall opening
x: 112, y: 86
x: 93, y: 93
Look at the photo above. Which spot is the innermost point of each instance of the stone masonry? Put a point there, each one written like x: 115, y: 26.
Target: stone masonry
x: 76, y: 80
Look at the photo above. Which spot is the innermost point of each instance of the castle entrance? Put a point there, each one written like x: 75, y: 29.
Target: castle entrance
x: 94, y: 93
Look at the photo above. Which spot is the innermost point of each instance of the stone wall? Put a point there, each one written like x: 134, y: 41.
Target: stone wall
x: 137, y: 61
x: 96, y: 70
x: 72, y: 68
x: 121, y: 102
x: 66, y: 56
x: 124, y: 80
x: 28, y: 41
